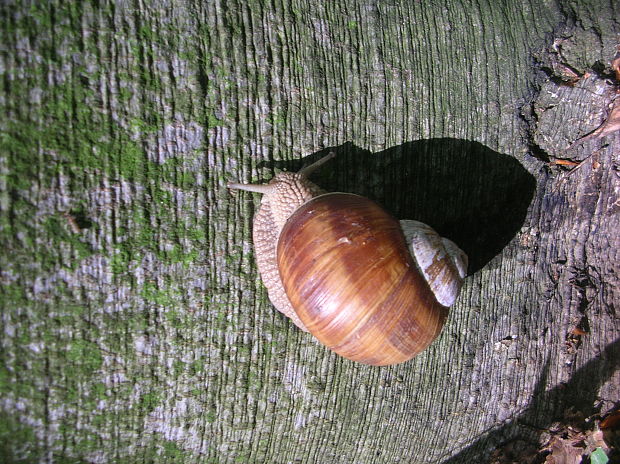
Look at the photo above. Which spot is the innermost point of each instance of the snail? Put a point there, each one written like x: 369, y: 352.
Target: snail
x: 370, y: 288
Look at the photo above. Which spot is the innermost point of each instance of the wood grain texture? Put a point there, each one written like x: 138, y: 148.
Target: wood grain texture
x: 144, y: 334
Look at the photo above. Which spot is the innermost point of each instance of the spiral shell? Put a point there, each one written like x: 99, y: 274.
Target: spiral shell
x: 347, y: 271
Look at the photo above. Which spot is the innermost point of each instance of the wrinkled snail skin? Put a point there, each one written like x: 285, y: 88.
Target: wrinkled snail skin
x: 369, y: 288
x: 281, y: 197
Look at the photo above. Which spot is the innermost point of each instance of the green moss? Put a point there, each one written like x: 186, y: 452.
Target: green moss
x: 151, y: 292
x: 82, y: 141
x: 184, y: 101
x: 74, y: 310
x: 172, y: 451
x: 124, y: 94
x: 243, y: 457
x: 98, y: 391
x: 18, y: 442
x: 174, y: 318
x: 119, y: 261
x: 87, y: 444
x: 58, y: 232
x: 172, y: 172
x: 197, y: 366
x: 162, y: 450
x: 69, y: 139
x: 210, y: 416
x: 85, y: 355
x: 213, y: 121
x: 149, y: 401
x: 278, y: 120
x: 254, y: 380
x: 197, y: 234
x: 146, y: 33
x: 162, y: 198
x: 19, y: 144
x: 79, y: 136
x: 12, y: 296
x: 141, y: 126
x: 179, y: 367
x: 39, y: 16
x: 6, y: 384
x: 99, y: 420
x: 24, y: 336
x: 177, y: 255
x: 62, y: 459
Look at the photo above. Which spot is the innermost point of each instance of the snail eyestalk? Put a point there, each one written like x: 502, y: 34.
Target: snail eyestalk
x: 266, y: 188
x: 257, y: 188
x: 317, y: 164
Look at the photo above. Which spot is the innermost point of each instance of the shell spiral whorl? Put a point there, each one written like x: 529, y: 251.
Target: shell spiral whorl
x: 346, y: 269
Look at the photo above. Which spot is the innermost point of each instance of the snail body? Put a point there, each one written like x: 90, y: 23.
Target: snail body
x: 370, y: 288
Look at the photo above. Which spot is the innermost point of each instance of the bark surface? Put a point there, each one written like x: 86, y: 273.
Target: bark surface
x: 134, y: 327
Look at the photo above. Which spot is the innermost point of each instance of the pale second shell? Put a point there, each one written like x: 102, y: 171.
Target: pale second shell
x: 442, y: 263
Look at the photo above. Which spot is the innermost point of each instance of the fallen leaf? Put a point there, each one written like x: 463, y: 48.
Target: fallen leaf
x: 610, y: 427
x: 612, y: 421
x: 567, y: 75
x: 578, y: 331
x: 615, y: 66
x: 609, y: 126
x: 73, y: 224
x: 563, y: 452
x: 581, y: 327
x: 565, y: 162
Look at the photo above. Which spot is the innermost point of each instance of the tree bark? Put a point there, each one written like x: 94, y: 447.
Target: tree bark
x: 134, y: 325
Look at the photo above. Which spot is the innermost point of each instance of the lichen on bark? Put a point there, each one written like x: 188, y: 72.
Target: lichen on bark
x: 134, y: 326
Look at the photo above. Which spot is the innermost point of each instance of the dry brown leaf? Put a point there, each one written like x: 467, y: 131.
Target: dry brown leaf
x: 612, y: 124
x: 564, y: 452
x: 609, y: 126
x: 611, y: 429
x: 615, y: 66
x: 612, y: 421
x: 565, y: 162
x: 567, y: 75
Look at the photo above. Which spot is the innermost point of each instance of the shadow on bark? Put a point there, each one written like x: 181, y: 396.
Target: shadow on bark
x: 466, y: 191
x: 579, y: 394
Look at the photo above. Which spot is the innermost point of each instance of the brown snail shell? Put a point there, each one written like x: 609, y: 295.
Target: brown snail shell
x: 348, y: 273
x: 368, y: 287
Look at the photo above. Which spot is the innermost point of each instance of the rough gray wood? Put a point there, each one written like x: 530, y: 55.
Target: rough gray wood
x: 134, y: 327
